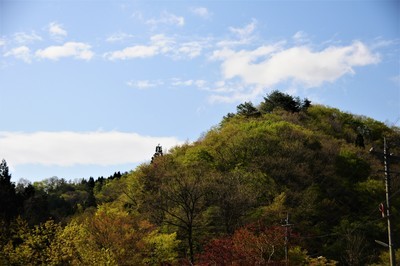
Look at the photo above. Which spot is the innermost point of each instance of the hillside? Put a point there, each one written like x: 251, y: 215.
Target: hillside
x: 223, y: 200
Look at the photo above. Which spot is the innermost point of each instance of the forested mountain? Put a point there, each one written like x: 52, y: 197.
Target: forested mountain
x: 285, y: 179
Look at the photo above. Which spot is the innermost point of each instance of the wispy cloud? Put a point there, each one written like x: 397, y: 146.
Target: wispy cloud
x: 138, y: 15
x: 190, y: 49
x: 76, y: 50
x: 162, y: 42
x: 230, y: 91
x: 173, y: 82
x: 25, y: 38
x: 79, y: 148
x: 199, y: 83
x: 159, y: 44
x: 300, y: 37
x: 144, y: 84
x: 271, y: 65
x: 136, y: 51
x: 119, y: 37
x: 202, y: 12
x: 242, y: 36
x: 22, y: 52
x: 246, y: 30
x: 166, y: 18
x: 57, y: 32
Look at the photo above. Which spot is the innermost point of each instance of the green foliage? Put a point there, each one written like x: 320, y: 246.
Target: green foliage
x: 161, y: 248
x: 248, y: 109
x: 384, y: 258
x: 320, y: 261
x: 284, y: 101
x: 74, y: 245
x: 221, y: 199
x: 30, y: 246
x: 298, y: 256
x: 352, y: 167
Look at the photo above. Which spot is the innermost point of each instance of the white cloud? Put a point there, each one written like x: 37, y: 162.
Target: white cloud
x: 201, y: 12
x: 119, y: 37
x: 143, y: 84
x: 241, y: 63
x: 56, y: 31
x: 200, y: 83
x: 137, y: 15
x: 233, y: 98
x: 167, y: 18
x: 189, y: 49
x: 77, y: 50
x: 21, y: 52
x: 246, y: 30
x: 24, y: 38
x: 268, y: 66
x: 190, y: 82
x: 136, y: 51
x: 242, y: 36
x: 79, y: 148
x: 159, y: 44
x: 234, y: 91
x: 162, y: 42
x: 300, y: 37
x: 2, y: 42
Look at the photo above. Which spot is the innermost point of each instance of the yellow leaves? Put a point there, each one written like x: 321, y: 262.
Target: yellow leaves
x: 160, y: 248
x: 31, y: 246
x: 110, y: 236
x: 276, y: 206
x: 125, y: 239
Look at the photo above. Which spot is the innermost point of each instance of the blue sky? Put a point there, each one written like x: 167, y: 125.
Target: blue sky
x: 91, y: 87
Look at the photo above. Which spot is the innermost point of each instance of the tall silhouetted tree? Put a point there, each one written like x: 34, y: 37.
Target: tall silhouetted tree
x: 247, y: 109
x: 91, y: 200
x: 277, y: 99
x: 306, y: 103
x: 8, y: 199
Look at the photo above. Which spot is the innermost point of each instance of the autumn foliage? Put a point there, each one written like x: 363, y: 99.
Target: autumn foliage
x: 251, y: 245
x: 221, y: 200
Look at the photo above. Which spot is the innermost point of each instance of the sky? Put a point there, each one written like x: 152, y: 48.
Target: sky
x: 88, y: 88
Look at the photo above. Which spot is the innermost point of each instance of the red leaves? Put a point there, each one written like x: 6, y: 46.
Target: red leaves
x: 251, y: 245
x: 218, y: 251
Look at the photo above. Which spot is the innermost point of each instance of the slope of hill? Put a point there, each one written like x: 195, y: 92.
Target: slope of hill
x: 283, y: 176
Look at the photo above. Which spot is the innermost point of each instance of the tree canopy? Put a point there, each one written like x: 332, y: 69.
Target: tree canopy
x: 221, y: 200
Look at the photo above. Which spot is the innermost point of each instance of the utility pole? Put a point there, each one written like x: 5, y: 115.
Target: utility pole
x: 287, y: 225
x: 386, y: 161
x: 386, y: 156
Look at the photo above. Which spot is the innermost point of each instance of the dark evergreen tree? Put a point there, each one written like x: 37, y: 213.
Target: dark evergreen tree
x: 91, y: 200
x: 306, y: 104
x: 282, y: 100
x: 8, y: 200
x: 247, y: 109
x: 90, y: 183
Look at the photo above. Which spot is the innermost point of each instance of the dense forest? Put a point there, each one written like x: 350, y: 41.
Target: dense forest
x: 284, y: 181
